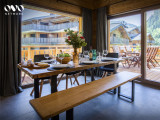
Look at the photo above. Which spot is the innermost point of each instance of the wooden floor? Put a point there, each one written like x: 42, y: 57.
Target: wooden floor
x: 152, y: 74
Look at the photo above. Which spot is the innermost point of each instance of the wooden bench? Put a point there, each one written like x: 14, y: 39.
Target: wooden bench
x: 56, y: 103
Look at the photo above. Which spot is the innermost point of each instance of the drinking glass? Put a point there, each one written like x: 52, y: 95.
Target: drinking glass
x: 61, y: 57
x: 86, y: 54
x: 80, y: 57
x: 53, y: 58
x: 98, y: 56
x: 46, y: 55
x: 105, y: 52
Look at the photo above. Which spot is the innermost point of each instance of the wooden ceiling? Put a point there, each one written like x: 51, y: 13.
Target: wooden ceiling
x: 74, y: 6
x: 92, y: 4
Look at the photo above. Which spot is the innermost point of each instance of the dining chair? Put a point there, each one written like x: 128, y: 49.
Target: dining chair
x: 109, y: 69
x: 38, y: 58
x: 74, y: 74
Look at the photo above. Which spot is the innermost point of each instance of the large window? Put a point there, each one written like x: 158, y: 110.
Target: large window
x: 43, y: 31
x: 125, y: 39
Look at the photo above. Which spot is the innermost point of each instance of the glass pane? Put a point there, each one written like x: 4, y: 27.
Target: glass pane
x: 43, y: 32
x: 153, y: 45
x: 125, y: 39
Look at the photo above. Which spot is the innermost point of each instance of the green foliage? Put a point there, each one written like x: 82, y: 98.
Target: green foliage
x: 64, y: 55
x: 153, y: 26
x: 75, y: 39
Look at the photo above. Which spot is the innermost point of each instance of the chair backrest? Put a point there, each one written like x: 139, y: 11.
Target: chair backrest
x: 113, y: 55
x: 38, y: 58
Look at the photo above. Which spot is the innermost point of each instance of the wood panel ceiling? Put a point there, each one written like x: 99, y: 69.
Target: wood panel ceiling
x: 92, y: 4
x: 74, y: 6
x: 82, y: 3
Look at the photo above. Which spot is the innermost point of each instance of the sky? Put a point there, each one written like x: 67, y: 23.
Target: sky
x: 28, y: 13
x: 134, y: 19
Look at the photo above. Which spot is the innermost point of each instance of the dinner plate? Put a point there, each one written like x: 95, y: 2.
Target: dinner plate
x: 108, y: 58
x: 89, y: 62
x: 61, y: 65
x: 47, y: 61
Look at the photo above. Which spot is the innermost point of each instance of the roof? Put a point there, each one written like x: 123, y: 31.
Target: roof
x: 127, y: 26
x: 138, y: 37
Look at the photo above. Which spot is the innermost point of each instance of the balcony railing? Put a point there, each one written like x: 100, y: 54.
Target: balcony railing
x: 49, y: 27
x: 116, y: 40
x: 43, y: 41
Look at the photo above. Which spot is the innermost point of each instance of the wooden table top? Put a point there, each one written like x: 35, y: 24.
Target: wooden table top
x: 39, y: 73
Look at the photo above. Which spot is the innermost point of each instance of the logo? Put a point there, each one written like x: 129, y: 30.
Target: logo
x: 13, y: 9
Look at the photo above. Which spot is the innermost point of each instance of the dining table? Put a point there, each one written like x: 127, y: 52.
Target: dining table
x: 37, y: 74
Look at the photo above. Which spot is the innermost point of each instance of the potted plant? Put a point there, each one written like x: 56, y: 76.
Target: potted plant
x: 76, y: 40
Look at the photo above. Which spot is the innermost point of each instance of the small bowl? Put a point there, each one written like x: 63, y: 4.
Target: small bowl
x: 65, y: 60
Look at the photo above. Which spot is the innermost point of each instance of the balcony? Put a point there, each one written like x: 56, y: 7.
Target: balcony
x: 49, y: 28
x: 43, y: 41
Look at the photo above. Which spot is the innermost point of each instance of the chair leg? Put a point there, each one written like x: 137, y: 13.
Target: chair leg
x: 32, y: 92
x: 85, y: 77
x: 60, y: 80
x: 70, y: 79
x: 76, y: 79
x: 104, y: 74
x: 23, y: 77
x: 41, y: 86
x: 66, y: 81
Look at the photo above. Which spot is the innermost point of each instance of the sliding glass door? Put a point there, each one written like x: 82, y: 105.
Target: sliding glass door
x: 153, y: 45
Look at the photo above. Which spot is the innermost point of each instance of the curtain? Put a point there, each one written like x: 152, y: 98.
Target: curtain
x: 10, y: 50
x: 101, y: 32
x: 87, y: 27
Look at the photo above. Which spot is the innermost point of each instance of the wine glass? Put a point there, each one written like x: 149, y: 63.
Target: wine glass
x: 46, y: 55
x: 53, y: 59
x: 61, y: 57
x: 105, y: 52
x: 86, y: 54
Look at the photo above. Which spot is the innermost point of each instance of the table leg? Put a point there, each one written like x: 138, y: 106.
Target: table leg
x: 115, y: 68
x: 115, y: 71
x: 36, y: 88
x: 92, y: 74
x: 69, y: 114
x: 54, y: 89
x: 53, y: 83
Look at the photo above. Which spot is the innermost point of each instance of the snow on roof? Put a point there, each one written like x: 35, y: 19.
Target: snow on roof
x: 138, y: 37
